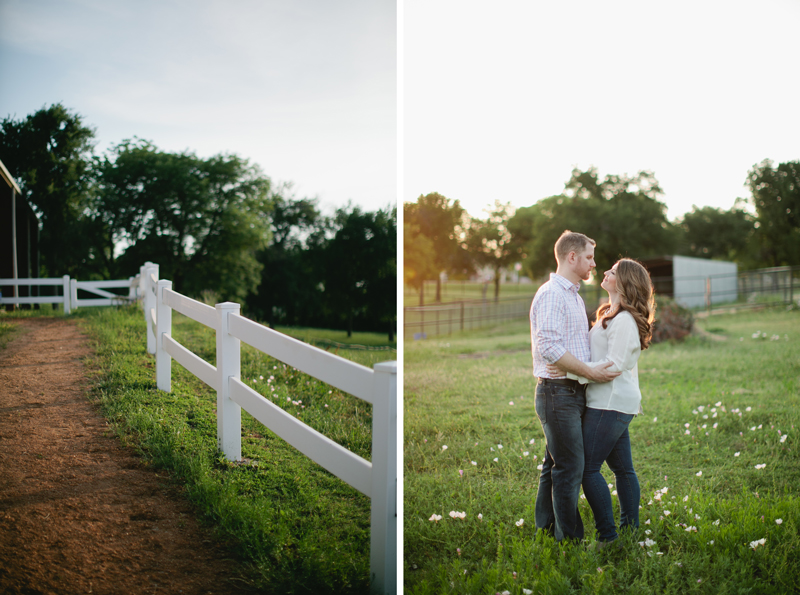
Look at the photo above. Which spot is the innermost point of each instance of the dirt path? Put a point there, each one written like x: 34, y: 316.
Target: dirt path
x: 78, y: 514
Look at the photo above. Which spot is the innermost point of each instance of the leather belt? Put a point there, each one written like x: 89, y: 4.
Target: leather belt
x: 562, y: 381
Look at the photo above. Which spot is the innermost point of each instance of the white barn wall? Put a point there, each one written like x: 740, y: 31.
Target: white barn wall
x: 690, y: 275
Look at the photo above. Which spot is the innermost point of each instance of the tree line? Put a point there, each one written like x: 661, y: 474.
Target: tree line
x: 624, y: 214
x: 218, y: 227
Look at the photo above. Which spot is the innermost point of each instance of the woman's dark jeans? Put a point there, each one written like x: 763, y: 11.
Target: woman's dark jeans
x: 560, y: 409
x: 606, y: 438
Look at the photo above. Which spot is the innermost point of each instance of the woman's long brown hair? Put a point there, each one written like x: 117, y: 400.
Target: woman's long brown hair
x: 635, y: 296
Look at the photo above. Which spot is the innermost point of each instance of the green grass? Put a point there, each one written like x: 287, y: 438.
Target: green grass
x: 7, y: 331
x: 296, y: 527
x: 458, y: 393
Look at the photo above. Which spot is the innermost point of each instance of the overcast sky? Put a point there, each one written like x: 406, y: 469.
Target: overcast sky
x: 503, y: 99
x: 306, y: 89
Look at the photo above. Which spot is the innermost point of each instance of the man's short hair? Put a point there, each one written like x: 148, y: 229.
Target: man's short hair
x: 571, y: 241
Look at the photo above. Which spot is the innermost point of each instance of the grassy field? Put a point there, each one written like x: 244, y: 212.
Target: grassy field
x: 296, y: 527
x: 716, y: 451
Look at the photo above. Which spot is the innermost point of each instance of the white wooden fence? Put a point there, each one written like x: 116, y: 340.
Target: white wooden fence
x: 377, y: 386
x: 69, y: 292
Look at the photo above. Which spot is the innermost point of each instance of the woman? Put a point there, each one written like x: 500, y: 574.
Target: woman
x: 623, y: 328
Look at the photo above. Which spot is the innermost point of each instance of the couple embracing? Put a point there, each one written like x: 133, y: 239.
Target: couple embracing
x: 588, y: 389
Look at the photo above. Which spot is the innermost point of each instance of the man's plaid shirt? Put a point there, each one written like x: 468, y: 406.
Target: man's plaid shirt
x: 558, y: 324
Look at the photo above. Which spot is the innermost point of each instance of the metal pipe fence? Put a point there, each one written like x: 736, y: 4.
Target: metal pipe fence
x: 770, y: 286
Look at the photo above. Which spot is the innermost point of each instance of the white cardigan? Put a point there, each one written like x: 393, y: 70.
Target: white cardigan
x: 619, y: 343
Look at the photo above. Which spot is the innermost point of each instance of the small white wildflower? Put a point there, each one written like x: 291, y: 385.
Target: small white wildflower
x: 761, y: 466
x: 474, y: 463
x: 699, y: 473
x: 520, y: 522
x: 525, y: 454
x: 496, y: 460
x: 444, y: 447
x: 736, y: 454
x: 758, y: 542
x: 783, y: 438
x: 778, y: 521
x: 435, y: 518
x: 716, y: 523
x: 647, y: 522
x: 532, y: 441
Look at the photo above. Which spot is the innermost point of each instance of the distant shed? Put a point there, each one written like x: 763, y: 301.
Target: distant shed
x: 692, y: 280
x: 19, y: 236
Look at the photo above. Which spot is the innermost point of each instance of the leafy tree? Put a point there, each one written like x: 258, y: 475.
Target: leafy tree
x: 290, y: 291
x: 202, y: 220
x: 714, y: 233
x: 776, y: 197
x: 622, y: 214
x: 419, y: 259
x: 361, y: 267
x: 491, y: 243
x: 442, y: 221
x: 49, y: 154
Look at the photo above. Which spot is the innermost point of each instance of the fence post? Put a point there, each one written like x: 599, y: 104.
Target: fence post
x: 143, y: 281
x: 383, y: 521
x: 163, y: 327
x: 229, y: 414
x: 150, y: 270
x: 67, y: 300
x: 73, y: 294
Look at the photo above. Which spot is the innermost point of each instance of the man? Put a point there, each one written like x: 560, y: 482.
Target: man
x: 560, y: 334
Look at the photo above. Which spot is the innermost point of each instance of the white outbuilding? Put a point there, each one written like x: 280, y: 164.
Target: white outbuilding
x: 694, y: 282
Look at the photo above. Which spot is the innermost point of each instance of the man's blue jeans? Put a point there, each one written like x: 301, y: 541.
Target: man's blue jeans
x: 606, y: 438
x: 560, y: 409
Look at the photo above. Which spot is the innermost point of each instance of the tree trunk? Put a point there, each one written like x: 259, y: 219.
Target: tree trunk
x: 496, y: 286
x: 438, y: 289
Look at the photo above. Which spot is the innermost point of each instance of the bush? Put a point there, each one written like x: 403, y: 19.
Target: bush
x: 673, y: 321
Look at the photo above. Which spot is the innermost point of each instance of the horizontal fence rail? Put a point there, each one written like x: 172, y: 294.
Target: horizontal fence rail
x: 317, y: 447
x: 376, y: 479
x: 331, y: 369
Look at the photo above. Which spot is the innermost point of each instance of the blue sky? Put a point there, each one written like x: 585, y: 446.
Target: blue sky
x: 305, y: 89
x: 501, y: 100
